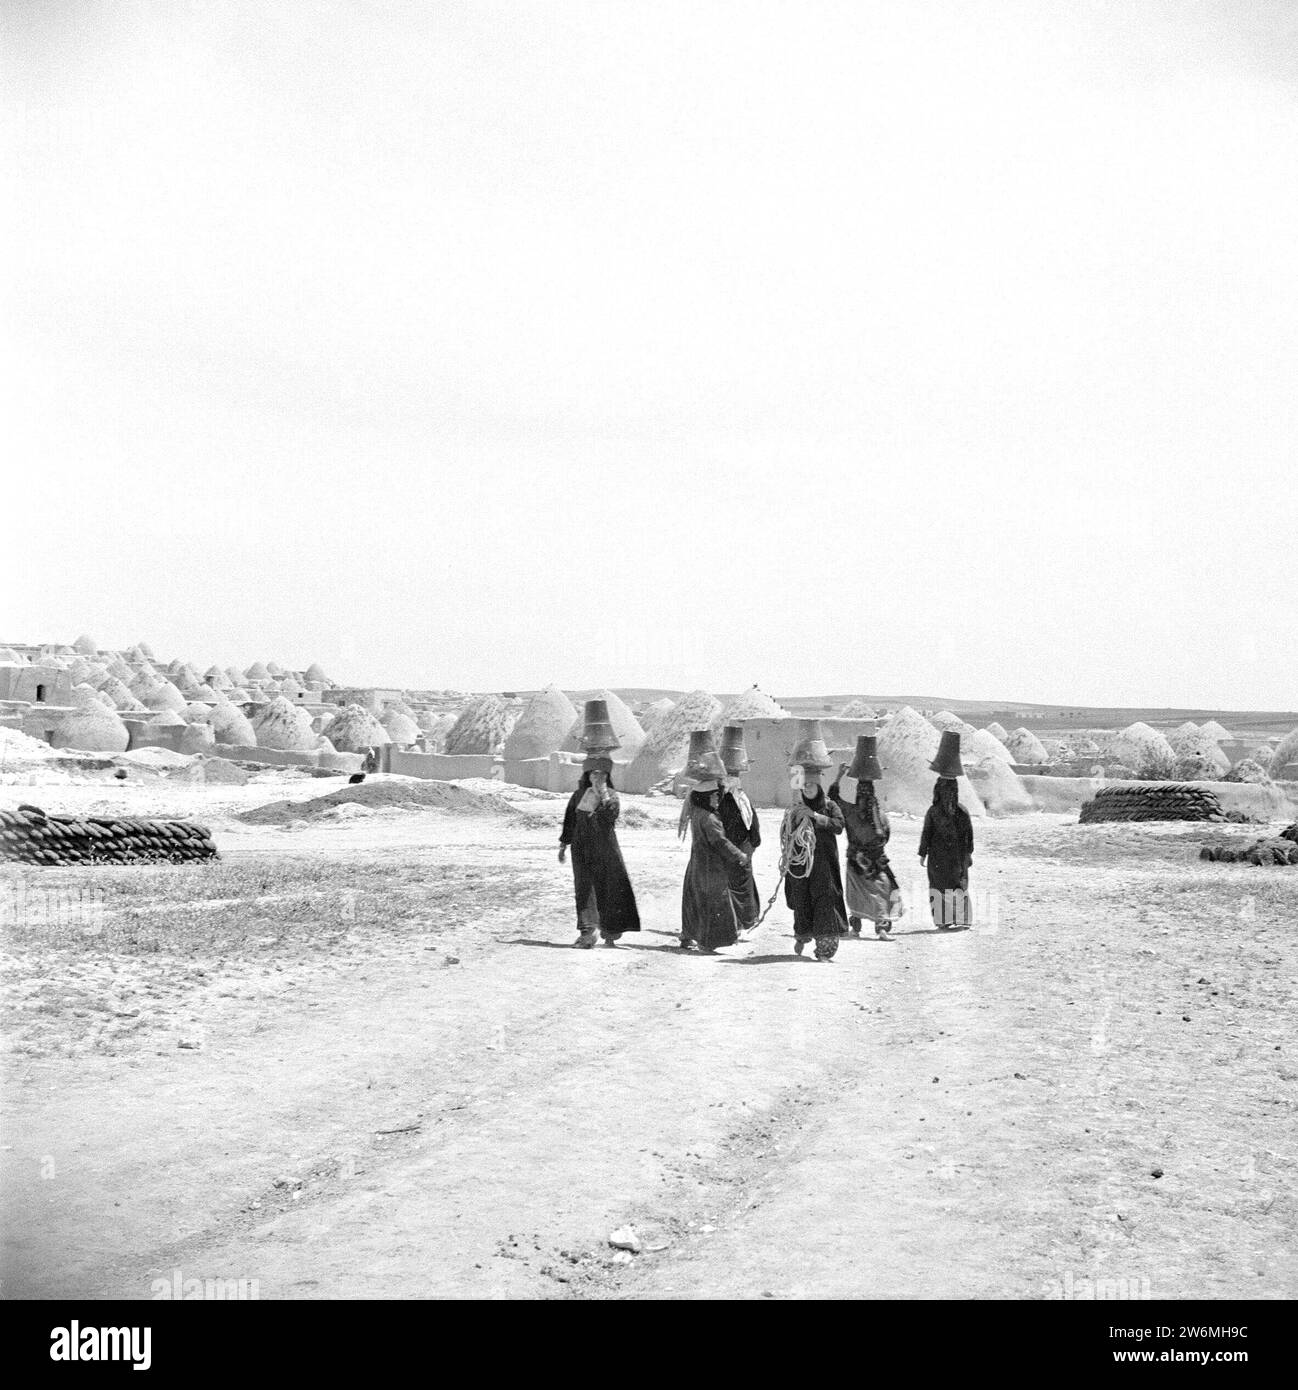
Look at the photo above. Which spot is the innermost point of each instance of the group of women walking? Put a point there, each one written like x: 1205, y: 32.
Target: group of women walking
x: 720, y: 901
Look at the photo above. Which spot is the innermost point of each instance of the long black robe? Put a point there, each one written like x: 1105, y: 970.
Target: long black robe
x: 707, y: 907
x: 947, y: 840
x: 598, y: 871
x: 817, y: 900
x: 743, y: 886
x: 872, y: 890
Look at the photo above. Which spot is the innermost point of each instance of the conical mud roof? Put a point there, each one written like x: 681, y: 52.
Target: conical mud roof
x: 626, y: 727
x: 354, y: 729
x: 284, y: 726
x: 749, y: 704
x: 231, y: 725
x: 482, y: 726
x: 546, y: 721
x: 666, y: 746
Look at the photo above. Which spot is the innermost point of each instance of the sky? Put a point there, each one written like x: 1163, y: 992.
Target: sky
x: 920, y: 345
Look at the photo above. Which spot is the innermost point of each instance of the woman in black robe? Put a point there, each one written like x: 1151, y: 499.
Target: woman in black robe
x: 819, y: 913
x: 742, y: 828
x: 707, y: 904
x: 946, y: 849
x: 605, y: 902
x: 872, y: 890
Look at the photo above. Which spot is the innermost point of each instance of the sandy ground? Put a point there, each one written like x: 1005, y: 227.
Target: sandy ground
x: 385, y: 1073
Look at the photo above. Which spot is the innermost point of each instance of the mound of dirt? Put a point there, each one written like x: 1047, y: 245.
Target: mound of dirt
x: 222, y: 771
x: 153, y: 758
x: 18, y: 749
x: 404, y: 795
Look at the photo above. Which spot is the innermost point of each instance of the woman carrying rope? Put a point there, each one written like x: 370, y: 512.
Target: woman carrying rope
x: 816, y: 899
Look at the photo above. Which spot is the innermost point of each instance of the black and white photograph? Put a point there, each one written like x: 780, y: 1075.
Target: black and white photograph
x: 649, y: 653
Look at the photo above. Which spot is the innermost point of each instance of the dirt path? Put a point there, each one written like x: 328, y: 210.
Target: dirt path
x: 966, y: 1115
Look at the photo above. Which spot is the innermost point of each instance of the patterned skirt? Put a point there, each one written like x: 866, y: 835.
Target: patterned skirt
x: 873, y: 896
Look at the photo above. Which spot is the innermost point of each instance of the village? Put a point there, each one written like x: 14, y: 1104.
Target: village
x: 231, y: 981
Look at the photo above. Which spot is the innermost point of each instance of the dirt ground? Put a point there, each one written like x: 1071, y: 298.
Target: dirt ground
x: 358, y: 1057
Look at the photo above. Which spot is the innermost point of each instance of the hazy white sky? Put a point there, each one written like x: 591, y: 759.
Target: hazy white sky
x: 942, y: 347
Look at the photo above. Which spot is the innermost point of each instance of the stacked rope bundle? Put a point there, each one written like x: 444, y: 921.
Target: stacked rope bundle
x: 1160, y: 801
x: 29, y: 836
x: 1280, y: 849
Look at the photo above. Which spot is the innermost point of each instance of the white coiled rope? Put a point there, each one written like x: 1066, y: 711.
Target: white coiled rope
x: 797, y: 854
x: 797, y: 845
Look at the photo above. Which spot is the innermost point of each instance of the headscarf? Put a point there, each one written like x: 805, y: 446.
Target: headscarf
x: 696, y: 799
x: 867, y: 803
x: 742, y: 804
x: 946, y: 797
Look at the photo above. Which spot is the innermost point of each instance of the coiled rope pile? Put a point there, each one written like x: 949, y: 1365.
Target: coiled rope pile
x: 29, y: 836
x: 797, y: 854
